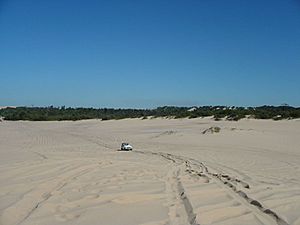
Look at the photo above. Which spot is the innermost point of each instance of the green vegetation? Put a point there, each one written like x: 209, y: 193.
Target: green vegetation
x: 212, y: 130
x: 218, y: 112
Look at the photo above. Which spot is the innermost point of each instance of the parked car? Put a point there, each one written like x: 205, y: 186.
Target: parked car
x: 126, y: 147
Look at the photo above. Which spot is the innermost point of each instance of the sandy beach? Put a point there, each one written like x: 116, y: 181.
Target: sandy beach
x: 180, y: 172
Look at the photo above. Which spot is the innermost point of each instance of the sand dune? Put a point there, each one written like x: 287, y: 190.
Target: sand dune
x: 72, y: 173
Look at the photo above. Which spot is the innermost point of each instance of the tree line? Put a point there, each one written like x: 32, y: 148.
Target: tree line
x: 217, y: 112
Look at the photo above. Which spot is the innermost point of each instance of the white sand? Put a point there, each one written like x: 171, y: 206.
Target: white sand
x: 70, y: 172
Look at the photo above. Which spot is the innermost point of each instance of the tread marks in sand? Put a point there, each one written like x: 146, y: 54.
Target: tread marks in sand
x: 196, y: 168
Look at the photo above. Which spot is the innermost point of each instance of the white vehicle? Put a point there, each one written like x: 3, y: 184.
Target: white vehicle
x: 126, y: 147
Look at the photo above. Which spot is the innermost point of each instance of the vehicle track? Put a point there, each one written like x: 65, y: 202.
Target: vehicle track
x: 33, y: 199
x: 197, y: 168
x: 177, y: 188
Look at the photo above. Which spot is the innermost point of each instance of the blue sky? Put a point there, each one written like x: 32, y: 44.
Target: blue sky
x: 148, y: 53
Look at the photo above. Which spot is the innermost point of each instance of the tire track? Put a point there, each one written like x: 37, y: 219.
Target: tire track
x: 43, y: 156
x: 177, y: 186
x: 32, y: 200
x: 187, y: 204
x: 203, y: 171
x: 196, y: 168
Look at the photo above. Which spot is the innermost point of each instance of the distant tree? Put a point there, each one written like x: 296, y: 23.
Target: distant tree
x: 218, y: 112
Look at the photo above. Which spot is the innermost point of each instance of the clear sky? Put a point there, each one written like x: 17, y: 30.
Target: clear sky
x: 148, y: 53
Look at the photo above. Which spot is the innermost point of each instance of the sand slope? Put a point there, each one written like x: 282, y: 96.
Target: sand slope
x: 71, y: 173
